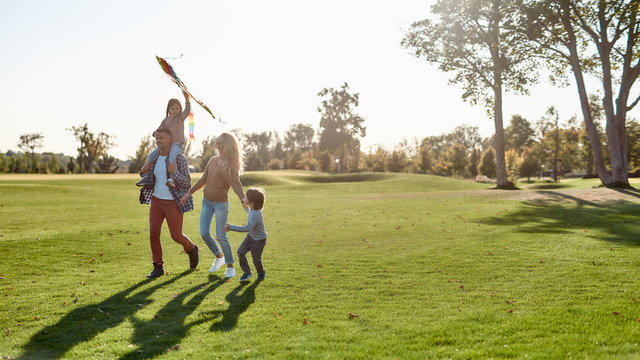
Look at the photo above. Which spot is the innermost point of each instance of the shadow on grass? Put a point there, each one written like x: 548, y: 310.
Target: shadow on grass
x: 238, y: 303
x: 84, y: 323
x: 613, y: 221
x: 168, y: 327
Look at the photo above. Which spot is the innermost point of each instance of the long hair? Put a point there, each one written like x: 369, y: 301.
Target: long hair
x: 231, y: 156
x: 171, y: 102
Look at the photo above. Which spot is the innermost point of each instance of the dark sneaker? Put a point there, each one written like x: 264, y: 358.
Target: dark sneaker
x: 261, y: 277
x: 246, y: 276
x: 158, y: 270
x: 170, y: 183
x: 193, y: 257
x: 147, y: 179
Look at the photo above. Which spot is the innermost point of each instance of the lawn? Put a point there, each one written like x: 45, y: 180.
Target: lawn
x: 361, y: 266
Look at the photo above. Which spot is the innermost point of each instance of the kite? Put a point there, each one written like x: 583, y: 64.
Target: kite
x: 172, y: 74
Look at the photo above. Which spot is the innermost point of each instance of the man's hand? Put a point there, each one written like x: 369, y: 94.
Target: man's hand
x: 172, y: 168
x: 226, y: 227
x: 184, y: 199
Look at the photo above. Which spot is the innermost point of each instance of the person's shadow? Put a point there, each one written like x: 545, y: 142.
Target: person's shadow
x: 168, y: 327
x: 238, y: 303
x: 84, y: 323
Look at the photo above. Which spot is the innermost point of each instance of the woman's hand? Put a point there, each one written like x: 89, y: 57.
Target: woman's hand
x: 226, y: 227
x: 184, y: 198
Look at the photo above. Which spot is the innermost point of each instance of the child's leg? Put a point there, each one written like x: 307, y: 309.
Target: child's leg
x: 256, y: 255
x: 154, y: 155
x: 243, y: 249
x: 174, y: 151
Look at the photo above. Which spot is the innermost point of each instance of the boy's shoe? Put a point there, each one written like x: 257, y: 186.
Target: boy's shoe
x: 217, y: 264
x: 145, y: 180
x: 193, y: 257
x: 158, y: 270
x: 246, y: 276
x: 170, y: 183
x: 261, y: 277
x: 230, y: 272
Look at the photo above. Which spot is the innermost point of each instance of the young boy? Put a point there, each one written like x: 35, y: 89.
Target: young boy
x: 256, y: 237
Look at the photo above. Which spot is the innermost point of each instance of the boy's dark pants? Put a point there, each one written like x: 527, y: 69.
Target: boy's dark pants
x: 256, y: 247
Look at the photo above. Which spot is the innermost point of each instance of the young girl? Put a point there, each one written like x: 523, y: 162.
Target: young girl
x: 222, y: 171
x: 174, y: 121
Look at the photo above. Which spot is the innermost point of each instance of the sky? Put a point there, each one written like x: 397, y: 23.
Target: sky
x: 259, y: 65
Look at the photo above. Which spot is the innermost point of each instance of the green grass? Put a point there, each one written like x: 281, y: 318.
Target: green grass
x: 380, y: 266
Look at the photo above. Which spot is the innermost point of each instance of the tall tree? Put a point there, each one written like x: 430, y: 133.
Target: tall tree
x: 587, y: 35
x: 91, y: 146
x: 479, y: 41
x: 28, y: 143
x: 340, y: 126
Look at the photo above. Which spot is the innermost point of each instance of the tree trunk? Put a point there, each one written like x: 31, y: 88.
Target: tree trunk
x: 592, y: 132
x: 498, y: 140
x: 498, y: 66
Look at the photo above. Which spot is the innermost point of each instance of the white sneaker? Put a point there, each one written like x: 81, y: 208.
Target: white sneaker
x: 217, y: 264
x: 231, y: 272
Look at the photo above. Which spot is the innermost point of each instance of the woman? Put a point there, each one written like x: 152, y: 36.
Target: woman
x: 222, y: 171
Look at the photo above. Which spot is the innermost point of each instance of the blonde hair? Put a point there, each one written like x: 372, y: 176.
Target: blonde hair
x: 231, y: 156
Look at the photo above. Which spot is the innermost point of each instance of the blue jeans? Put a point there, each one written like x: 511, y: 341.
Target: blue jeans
x: 221, y: 211
x: 174, y: 151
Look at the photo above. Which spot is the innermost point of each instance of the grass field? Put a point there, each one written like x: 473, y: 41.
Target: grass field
x: 362, y: 266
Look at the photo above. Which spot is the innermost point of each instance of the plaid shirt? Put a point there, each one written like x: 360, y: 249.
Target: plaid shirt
x: 182, y: 180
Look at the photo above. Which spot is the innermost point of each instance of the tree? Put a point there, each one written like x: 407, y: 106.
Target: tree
x: 107, y: 164
x: 457, y: 159
x: 258, y: 148
x: 633, y: 139
x: 488, y: 163
x: 28, y: 143
x: 207, y: 151
x: 299, y: 137
x: 479, y: 41
x: 529, y: 165
x: 53, y: 164
x: 519, y: 134
x: 340, y: 126
x: 143, y: 151
x: 588, y: 34
x: 398, y: 161
x: 91, y: 146
x: 474, y: 162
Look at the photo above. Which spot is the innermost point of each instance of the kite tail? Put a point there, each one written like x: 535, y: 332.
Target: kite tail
x: 191, y: 126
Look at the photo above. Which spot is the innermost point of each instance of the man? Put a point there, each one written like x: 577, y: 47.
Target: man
x: 165, y: 202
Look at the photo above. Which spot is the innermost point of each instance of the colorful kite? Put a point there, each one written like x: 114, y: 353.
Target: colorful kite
x: 172, y: 74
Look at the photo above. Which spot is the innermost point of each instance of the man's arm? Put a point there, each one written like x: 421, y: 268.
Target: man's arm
x: 181, y: 176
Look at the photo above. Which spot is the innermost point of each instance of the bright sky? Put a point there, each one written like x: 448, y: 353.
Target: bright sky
x: 257, y: 64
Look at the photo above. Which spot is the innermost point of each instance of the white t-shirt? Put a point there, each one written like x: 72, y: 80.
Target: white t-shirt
x: 160, y: 189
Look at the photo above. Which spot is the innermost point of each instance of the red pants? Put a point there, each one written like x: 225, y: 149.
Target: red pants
x: 160, y: 210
